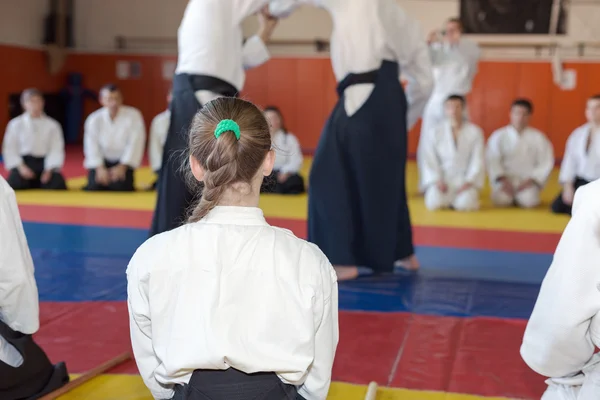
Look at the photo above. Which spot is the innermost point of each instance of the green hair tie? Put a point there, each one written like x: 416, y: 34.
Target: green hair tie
x: 228, y: 125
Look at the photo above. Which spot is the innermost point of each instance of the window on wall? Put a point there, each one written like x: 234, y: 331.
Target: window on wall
x: 505, y: 17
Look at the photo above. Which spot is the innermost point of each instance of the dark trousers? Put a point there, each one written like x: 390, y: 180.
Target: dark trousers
x: 232, y: 384
x: 36, y: 164
x: 126, y: 185
x: 36, y: 376
x: 558, y: 205
x: 294, y: 184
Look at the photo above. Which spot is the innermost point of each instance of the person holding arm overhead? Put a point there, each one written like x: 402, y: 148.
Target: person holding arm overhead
x: 113, y: 143
x: 34, y: 147
x: 581, y: 161
x: 227, y: 306
x: 357, y: 215
x: 211, y: 62
x: 519, y: 160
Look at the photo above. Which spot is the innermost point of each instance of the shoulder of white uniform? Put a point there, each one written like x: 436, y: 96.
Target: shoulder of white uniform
x: 537, y: 133
x: 580, y: 130
x: 497, y: 133
x: 95, y: 114
x: 586, y: 197
x: 52, y: 121
x: 132, y: 110
x: 476, y: 129
x: 152, y: 249
x: 16, y: 121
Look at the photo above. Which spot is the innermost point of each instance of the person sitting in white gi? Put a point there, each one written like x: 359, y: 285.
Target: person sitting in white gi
x: 227, y: 306
x: 34, y: 147
x: 158, y: 135
x: 519, y: 160
x: 114, y: 141
x: 286, y: 178
x: 563, y: 331
x: 581, y: 161
x: 453, y: 163
x: 25, y: 370
x: 455, y: 62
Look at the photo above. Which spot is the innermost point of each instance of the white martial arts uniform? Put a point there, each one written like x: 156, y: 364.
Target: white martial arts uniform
x: 120, y: 140
x: 454, y: 69
x: 158, y: 135
x: 38, y: 137
x: 579, y: 161
x: 564, y: 327
x: 353, y: 50
x: 232, y: 291
x: 518, y: 157
x: 288, y: 154
x: 226, y: 58
x: 454, y: 162
x: 19, y: 304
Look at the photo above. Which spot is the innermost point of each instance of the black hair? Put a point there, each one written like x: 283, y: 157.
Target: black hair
x: 277, y: 111
x: 29, y: 93
x: 110, y: 87
x: 456, y: 20
x: 595, y: 97
x: 457, y: 97
x: 525, y: 103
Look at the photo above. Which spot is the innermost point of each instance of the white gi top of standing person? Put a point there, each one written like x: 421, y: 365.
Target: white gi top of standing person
x: 227, y: 290
x: 564, y: 328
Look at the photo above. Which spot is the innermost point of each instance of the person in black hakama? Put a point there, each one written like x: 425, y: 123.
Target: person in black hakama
x: 357, y: 208
x: 211, y: 62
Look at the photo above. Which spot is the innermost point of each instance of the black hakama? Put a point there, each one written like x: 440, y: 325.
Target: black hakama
x: 233, y: 384
x: 36, y: 164
x: 125, y: 185
x: 357, y: 207
x: 558, y: 206
x: 36, y: 376
x: 294, y: 184
x: 174, y: 196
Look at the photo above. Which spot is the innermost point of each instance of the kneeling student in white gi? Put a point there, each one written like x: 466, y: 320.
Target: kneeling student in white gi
x: 25, y: 370
x: 519, y: 160
x: 158, y: 135
x: 228, y: 306
x: 34, y: 147
x: 453, y: 161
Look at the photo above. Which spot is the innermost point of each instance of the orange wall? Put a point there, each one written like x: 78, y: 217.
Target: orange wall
x: 304, y: 88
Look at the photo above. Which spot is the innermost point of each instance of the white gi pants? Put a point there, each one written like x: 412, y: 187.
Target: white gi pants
x: 528, y: 198
x: 585, y: 386
x: 467, y: 200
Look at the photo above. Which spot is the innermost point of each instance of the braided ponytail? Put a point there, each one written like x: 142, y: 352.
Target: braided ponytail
x: 227, y: 160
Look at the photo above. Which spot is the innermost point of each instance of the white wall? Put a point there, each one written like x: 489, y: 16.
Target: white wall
x: 99, y: 21
x: 22, y: 22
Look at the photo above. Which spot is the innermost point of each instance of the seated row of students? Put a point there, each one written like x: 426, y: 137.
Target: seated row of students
x: 519, y: 160
x: 114, y: 142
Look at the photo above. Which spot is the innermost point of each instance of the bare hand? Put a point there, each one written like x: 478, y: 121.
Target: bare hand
x: 117, y: 173
x: 506, y: 186
x: 442, y: 187
x: 102, y: 176
x: 26, y: 172
x: 46, y: 175
x: 266, y: 23
x: 526, y: 185
x: 282, y: 177
x: 568, y: 194
x: 464, y: 187
x: 433, y: 36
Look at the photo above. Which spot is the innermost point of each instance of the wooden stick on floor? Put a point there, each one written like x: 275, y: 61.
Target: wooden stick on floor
x: 371, y: 391
x: 99, y: 370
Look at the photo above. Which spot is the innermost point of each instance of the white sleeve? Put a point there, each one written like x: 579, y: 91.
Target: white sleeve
x: 140, y: 325
x: 545, y: 161
x: 295, y: 160
x: 283, y: 8
x: 55, y: 158
x: 568, y: 167
x: 10, y: 147
x: 413, y: 57
x: 557, y: 340
x: 318, y: 380
x: 254, y: 52
x: 134, y: 150
x: 494, y: 157
x: 19, y: 303
x: 431, y: 170
x: 91, y: 145
x: 155, y: 147
x: 476, y: 169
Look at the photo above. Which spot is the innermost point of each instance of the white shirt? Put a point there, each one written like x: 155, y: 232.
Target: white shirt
x: 120, y: 140
x: 454, y: 67
x: 454, y: 162
x: 579, y: 160
x: 559, y: 339
x: 233, y: 291
x: 210, y: 40
x: 37, y: 137
x: 521, y: 156
x: 158, y: 135
x: 19, y: 303
x: 288, y: 154
x: 365, y: 33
